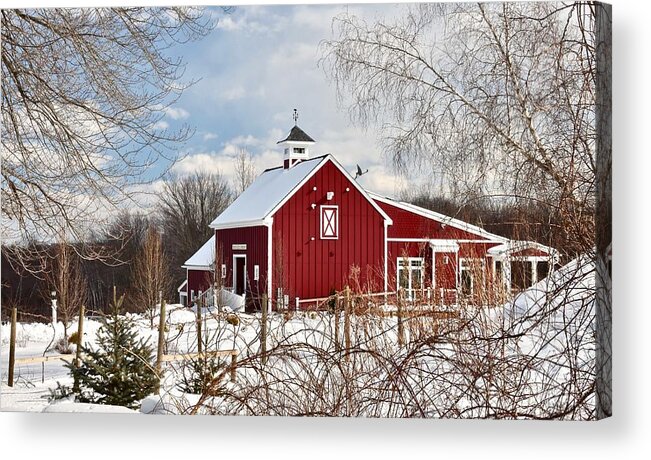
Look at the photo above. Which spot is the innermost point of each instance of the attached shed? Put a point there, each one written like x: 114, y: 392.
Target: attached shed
x: 199, y: 272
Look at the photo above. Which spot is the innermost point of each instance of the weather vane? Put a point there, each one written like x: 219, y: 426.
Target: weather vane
x: 295, y: 117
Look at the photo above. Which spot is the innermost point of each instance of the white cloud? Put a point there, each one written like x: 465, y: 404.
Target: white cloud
x: 266, y: 65
x: 233, y: 93
x: 161, y: 125
x: 176, y: 113
x: 209, y: 136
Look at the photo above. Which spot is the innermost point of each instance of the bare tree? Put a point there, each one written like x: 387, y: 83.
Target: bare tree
x: 150, y: 274
x: 245, y: 171
x: 83, y: 95
x: 188, y: 204
x: 498, y: 98
x: 64, y: 277
x: 508, y: 100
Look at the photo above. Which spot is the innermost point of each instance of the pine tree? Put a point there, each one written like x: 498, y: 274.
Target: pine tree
x: 118, y: 371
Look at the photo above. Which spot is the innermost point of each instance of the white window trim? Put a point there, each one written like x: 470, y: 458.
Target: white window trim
x: 410, y: 290
x: 336, y: 208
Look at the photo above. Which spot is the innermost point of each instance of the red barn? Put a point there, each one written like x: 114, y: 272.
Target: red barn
x: 307, y: 228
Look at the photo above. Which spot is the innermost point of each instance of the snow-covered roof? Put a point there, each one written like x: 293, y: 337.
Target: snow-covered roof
x: 515, y: 246
x: 262, y: 196
x: 204, y: 257
x: 439, y: 217
x: 270, y: 191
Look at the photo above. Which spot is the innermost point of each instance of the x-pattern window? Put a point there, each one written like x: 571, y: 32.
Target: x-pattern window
x: 329, y: 223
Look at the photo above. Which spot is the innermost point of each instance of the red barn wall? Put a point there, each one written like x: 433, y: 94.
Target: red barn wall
x: 256, y: 252
x: 198, y: 280
x: 309, y: 268
x: 407, y: 224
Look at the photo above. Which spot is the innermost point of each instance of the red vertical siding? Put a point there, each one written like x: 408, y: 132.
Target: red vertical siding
x: 198, y: 280
x: 306, y: 266
x: 256, y: 253
x: 407, y: 224
x: 438, y: 274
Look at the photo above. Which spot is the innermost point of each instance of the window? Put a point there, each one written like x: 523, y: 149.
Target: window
x: 542, y: 269
x: 410, y: 274
x: 498, y: 271
x: 521, y: 274
x: 471, y: 276
x: 329, y: 222
x: 299, y: 149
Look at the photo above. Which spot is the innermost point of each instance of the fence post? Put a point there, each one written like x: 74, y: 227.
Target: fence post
x: 338, y: 299
x: 161, y: 341
x: 199, y: 340
x: 298, y: 301
x: 263, y: 328
x: 401, y: 326
x: 80, y: 340
x: 233, y: 366
x: 12, y: 347
x: 347, y: 321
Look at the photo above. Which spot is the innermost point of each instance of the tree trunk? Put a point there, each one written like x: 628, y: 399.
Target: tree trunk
x: 603, y: 218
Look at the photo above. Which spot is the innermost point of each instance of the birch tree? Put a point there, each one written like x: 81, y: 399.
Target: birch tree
x: 510, y: 101
x: 499, y: 99
x: 245, y: 171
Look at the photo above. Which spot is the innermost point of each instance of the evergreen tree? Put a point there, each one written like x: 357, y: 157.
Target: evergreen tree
x: 119, y: 370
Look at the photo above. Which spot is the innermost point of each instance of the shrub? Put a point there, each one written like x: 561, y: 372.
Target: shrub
x: 74, y: 338
x: 63, y: 346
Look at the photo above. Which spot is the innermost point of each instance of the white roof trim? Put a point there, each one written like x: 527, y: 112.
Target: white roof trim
x: 197, y: 267
x: 433, y: 215
x: 440, y: 245
x: 243, y: 223
x: 183, y: 284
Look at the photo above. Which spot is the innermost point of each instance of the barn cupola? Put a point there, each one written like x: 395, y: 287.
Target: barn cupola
x: 296, y: 145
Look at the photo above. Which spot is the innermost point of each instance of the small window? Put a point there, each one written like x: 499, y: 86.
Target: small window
x: 498, y: 270
x: 521, y: 274
x: 329, y: 222
x: 466, y: 282
x: 471, y: 276
x: 223, y: 271
x: 299, y: 149
x: 542, y: 269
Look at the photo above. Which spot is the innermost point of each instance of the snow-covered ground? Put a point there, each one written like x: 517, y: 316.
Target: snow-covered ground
x: 532, y: 358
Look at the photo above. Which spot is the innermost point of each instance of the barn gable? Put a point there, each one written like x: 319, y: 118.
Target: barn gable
x: 327, y: 235
x: 273, y: 188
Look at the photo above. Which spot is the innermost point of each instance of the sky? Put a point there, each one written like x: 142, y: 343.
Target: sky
x: 253, y: 69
